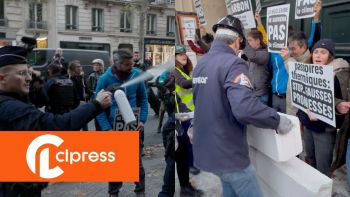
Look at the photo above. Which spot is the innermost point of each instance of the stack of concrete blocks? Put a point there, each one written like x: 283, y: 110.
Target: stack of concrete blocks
x: 280, y: 172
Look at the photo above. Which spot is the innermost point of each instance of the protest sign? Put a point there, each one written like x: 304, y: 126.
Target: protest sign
x: 119, y: 123
x: 304, y: 9
x: 312, y: 88
x: 200, y: 13
x: 277, y: 27
x: 188, y: 28
x: 258, y: 6
x: 243, y: 10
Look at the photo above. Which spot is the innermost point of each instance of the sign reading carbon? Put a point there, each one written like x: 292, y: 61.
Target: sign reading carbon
x: 241, y: 9
x: 312, y: 88
x: 277, y: 27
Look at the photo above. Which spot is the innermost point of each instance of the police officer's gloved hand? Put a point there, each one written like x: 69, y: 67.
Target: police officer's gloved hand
x: 284, y: 126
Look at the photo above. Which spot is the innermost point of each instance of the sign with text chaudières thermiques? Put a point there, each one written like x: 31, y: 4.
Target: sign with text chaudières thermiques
x: 243, y: 10
x: 312, y: 88
x: 304, y: 8
x: 277, y: 27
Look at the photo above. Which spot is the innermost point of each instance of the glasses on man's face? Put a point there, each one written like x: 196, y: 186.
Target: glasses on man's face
x: 25, y: 73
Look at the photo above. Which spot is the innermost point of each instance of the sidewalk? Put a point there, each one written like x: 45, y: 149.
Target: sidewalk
x: 211, y: 186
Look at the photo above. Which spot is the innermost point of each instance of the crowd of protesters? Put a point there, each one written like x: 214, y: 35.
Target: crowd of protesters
x: 215, y: 91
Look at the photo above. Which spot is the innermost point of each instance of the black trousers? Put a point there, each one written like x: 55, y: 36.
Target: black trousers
x: 114, y: 187
x: 181, y: 158
x: 26, y: 189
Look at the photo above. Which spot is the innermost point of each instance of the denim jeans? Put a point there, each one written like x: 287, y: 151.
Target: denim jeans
x: 348, y: 162
x: 242, y: 183
x: 168, y: 188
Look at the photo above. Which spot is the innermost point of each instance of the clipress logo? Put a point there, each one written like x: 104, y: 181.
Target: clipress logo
x: 71, y: 157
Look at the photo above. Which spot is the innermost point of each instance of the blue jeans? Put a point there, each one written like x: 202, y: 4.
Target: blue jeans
x: 348, y: 162
x: 242, y: 183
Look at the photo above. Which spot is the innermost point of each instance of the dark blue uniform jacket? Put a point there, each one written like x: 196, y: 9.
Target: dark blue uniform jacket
x: 17, y: 114
x: 225, y: 103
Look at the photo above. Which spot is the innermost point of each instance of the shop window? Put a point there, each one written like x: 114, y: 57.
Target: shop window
x: 151, y: 24
x: 125, y: 21
x: 71, y: 17
x: 158, y: 54
x: 97, y: 19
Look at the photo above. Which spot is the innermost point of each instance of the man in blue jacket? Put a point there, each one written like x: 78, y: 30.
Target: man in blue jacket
x: 225, y: 103
x: 121, y: 72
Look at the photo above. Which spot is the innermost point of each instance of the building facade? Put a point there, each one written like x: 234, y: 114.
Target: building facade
x: 139, y: 25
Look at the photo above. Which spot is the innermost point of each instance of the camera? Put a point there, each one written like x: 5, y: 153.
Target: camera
x: 28, y: 43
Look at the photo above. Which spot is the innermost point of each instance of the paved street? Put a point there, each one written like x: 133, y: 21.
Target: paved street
x: 153, y: 162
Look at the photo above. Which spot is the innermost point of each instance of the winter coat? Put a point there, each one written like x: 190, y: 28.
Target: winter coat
x: 258, y: 69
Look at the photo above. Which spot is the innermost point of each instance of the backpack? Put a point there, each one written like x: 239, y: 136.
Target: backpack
x: 62, y: 96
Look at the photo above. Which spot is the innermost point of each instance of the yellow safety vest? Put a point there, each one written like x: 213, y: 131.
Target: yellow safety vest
x: 185, y: 94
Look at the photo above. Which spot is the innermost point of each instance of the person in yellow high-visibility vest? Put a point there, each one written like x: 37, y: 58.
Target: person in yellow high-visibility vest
x: 183, y: 78
x: 183, y: 88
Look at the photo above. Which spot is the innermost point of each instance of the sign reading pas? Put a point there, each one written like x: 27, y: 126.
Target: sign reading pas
x: 312, y: 88
x: 304, y: 8
x: 277, y: 27
x: 243, y: 10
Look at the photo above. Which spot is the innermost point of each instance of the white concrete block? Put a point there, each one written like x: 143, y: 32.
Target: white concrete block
x: 276, y: 146
x: 267, y: 190
x: 291, y: 178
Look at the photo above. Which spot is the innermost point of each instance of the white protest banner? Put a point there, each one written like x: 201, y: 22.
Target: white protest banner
x: 189, y: 28
x: 277, y: 27
x: 200, y: 13
x: 304, y: 8
x: 243, y: 10
x: 312, y: 88
x: 258, y: 6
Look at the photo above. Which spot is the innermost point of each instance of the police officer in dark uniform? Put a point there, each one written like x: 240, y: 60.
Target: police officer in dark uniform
x: 225, y: 103
x: 60, y: 90
x: 18, y: 114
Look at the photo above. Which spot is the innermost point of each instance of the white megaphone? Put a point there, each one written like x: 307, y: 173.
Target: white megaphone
x: 124, y: 107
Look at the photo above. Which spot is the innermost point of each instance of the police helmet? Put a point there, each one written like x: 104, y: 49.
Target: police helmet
x: 234, y: 24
